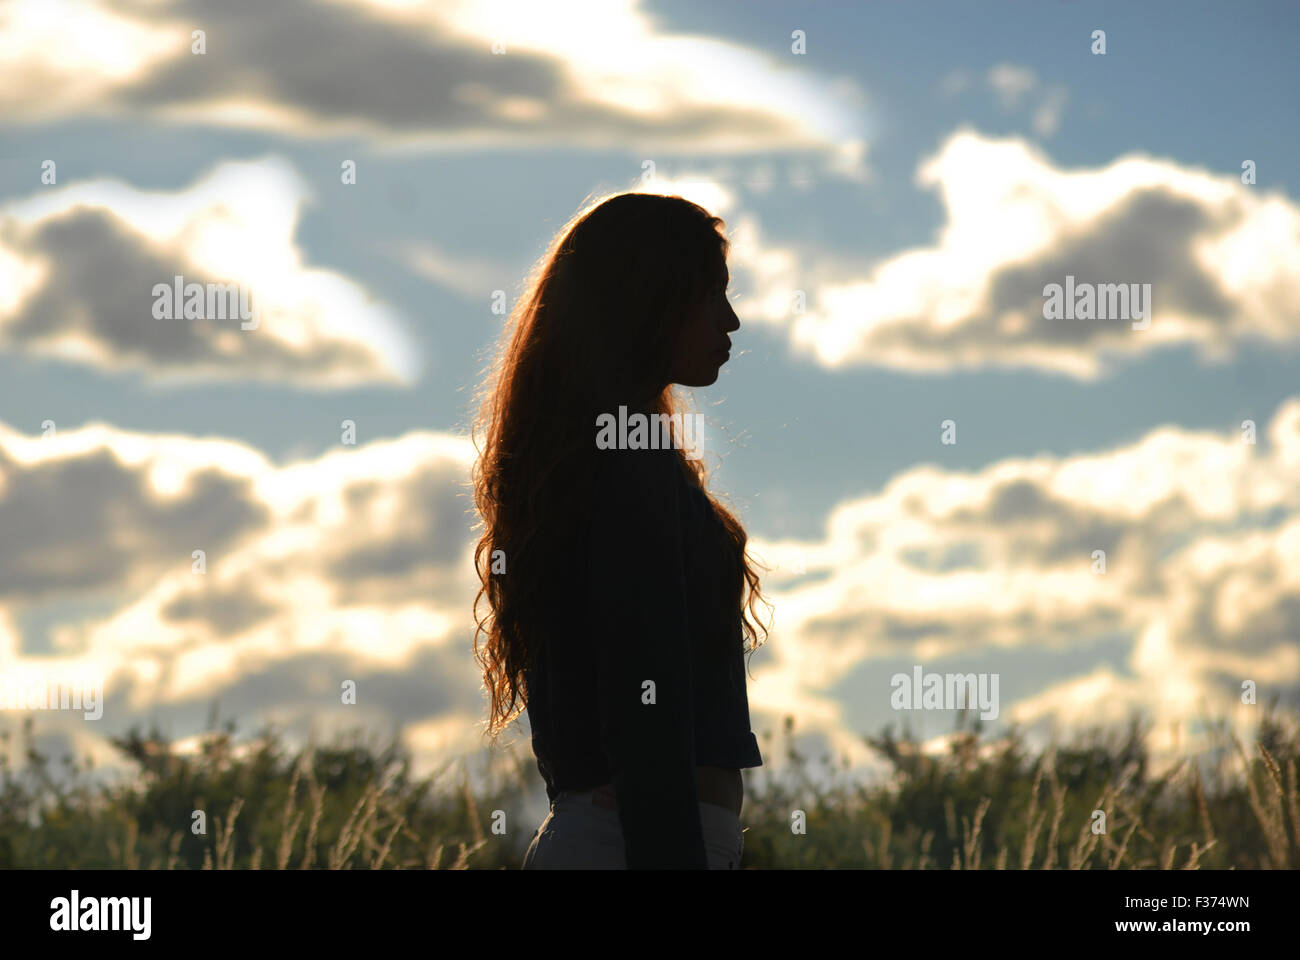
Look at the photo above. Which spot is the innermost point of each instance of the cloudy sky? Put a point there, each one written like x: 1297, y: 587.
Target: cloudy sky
x: 900, y: 183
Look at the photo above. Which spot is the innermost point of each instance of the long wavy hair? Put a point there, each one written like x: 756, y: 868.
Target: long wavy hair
x: 596, y: 326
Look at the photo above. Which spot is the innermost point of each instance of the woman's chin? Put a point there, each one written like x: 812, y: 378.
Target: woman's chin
x: 702, y: 379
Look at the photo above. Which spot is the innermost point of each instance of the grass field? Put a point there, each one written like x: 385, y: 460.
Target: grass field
x: 987, y: 804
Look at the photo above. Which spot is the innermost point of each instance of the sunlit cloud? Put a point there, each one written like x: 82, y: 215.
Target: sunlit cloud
x: 356, y: 565
x: 62, y: 56
x: 1199, y: 534
x: 452, y: 74
x: 350, y: 566
x: 85, y: 262
x: 1222, y: 261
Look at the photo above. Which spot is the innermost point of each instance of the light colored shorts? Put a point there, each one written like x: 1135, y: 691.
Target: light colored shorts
x: 578, y: 834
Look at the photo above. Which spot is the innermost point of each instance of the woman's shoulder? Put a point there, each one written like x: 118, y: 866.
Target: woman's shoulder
x: 647, y: 484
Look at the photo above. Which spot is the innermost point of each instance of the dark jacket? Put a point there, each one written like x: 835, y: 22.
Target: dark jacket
x: 653, y: 561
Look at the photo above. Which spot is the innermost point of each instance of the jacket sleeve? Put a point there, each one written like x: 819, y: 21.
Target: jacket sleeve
x: 637, y: 601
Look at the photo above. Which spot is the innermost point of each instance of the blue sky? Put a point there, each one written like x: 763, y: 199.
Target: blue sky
x: 920, y: 171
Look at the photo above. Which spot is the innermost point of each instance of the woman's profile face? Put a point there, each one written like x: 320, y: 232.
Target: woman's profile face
x: 704, y: 344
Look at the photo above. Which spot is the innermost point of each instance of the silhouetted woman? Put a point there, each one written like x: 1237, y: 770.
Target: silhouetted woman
x: 616, y: 582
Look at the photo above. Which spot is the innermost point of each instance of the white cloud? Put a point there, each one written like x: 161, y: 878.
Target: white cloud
x: 595, y: 72
x: 356, y: 564
x: 1200, y: 532
x: 474, y: 278
x: 1013, y: 86
x: 65, y: 55
x: 1011, y: 82
x: 84, y: 260
x: 1047, y: 115
x: 1223, y: 261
